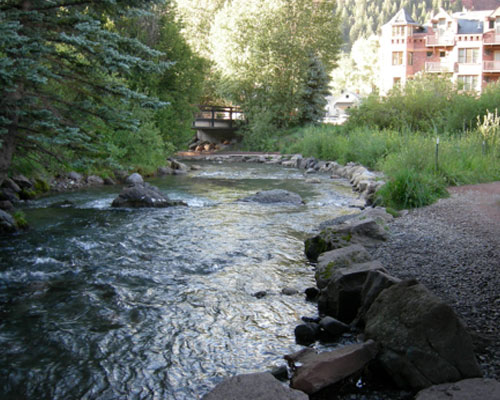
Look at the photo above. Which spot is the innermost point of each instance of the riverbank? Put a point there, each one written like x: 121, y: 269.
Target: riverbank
x: 453, y: 248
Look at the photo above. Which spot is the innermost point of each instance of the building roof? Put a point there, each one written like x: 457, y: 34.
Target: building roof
x: 469, y: 26
x: 402, y: 18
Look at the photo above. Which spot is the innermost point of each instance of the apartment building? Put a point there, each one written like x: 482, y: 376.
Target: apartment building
x: 464, y: 46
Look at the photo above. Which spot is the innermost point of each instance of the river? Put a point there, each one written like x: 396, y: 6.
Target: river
x: 101, y: 303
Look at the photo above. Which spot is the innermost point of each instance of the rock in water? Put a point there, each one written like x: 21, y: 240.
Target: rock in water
x: 422, y: 341
x: 321, y: 370
x: 7, y: 223
x: 259, y: 386
x: 134, y: 179
x: 275, y: 196
x: 143, y: 195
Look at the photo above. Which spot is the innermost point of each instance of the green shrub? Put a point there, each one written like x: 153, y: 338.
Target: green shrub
x: 409, y: 188
x: 20, y: 219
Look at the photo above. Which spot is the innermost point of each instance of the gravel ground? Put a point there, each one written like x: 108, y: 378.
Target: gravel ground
x: 453, y: 247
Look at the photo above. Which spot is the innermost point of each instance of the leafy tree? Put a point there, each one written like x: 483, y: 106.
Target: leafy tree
x: 264, y: 49
x: 61, y: 62
x: 182, y: 84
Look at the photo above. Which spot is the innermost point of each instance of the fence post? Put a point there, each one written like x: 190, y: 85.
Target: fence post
x: 437, y: 153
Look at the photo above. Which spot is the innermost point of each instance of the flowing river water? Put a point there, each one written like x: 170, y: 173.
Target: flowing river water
x: 101, y: 303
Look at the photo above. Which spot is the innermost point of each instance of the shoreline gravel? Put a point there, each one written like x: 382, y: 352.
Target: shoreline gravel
x: 453, y: 248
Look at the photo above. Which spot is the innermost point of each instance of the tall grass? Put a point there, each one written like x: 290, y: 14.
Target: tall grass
x: 408, y: 159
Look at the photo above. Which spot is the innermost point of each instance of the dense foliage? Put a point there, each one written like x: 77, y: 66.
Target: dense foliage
x: 80, y: 85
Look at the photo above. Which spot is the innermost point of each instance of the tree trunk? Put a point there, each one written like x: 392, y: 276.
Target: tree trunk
x: 8, y: 146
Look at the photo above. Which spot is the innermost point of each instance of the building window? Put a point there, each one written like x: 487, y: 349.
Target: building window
x: 468, y: 56
x: 410, y: 58
x: 397, y: 57
x: 442, y: 54
x: 468, y: 82
x: 398, y: 31
x: 429, y: 54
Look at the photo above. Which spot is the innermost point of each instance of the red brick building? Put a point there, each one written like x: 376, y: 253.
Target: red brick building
x: 464, y: 46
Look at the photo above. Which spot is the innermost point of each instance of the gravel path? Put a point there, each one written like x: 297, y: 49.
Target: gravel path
x: 453, y: 247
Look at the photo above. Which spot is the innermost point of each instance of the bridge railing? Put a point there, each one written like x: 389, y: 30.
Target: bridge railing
x: 214, y: 115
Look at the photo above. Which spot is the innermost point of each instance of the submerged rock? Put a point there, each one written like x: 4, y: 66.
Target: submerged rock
x: 259, y: 386
x: 274, y: 196
x: 422, y: 341
x: 143, y: 195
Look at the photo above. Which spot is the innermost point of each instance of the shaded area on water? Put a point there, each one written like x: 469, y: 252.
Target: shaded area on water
x: 98, y: 303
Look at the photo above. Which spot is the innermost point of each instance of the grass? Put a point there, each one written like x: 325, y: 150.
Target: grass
x: 408, y: 159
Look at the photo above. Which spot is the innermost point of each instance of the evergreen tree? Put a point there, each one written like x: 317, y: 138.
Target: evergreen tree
x: 314, y: 92
x: 61, y: 66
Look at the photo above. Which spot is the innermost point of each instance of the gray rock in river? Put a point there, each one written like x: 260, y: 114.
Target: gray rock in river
x: 7, y: 223
x: 143, y: 195
x: 134, y: 179
x: 422, y: 341
x: 259, y: 386
x: 275, y: 196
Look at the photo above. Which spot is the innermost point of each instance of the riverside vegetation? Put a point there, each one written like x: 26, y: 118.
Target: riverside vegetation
x: 397, y: 135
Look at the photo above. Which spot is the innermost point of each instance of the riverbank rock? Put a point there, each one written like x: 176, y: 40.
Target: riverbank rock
x: 134, y: 179
x: 307, y: 333
x: 178, y: 167
x: 375, y: 282
x: 7, y: 223
x: 368, y: 228
x: 341, y: 298
x: 317, y: 371
x: 422, y: 341
x: 339, y: 258
x: 95, y: 180
x: 274, y: 196
x: 143, y: 195
x: 332, y: 328
x: 259, y: 386
x: 467, y: 389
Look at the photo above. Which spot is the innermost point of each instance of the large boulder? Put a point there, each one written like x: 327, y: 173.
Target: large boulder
x: 423, y: 342
x: 339, y: 258
x: 467, y: 389
x: 7, y: 223
x: 317, y: 371
x: 341, y: 298
x: 258, y: 386
x: 375, y: 282
x: 143, y: 195
x: 22, y: 182
x: 368, y: 229
x: 274, y: 196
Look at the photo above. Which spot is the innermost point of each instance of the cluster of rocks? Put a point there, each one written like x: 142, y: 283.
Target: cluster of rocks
x: 399, y: 327
x: 204, y: 146
x: 139, y: 194
x: 19, y: 188
x: 363, y: 181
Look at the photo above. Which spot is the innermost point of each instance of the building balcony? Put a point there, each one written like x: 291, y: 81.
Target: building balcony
x: 439, y: 41
x: 491, y: 66
x: 438, y: 67
x: 492, y: 39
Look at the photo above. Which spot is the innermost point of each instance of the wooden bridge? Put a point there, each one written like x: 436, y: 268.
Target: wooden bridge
x: 215, y: 124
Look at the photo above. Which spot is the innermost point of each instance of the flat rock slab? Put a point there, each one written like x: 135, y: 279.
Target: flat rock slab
x: 143, y: 195
x: 321, y: 370
x: 259, y: 386
x: 468, y: 389
x: 275, y: 196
